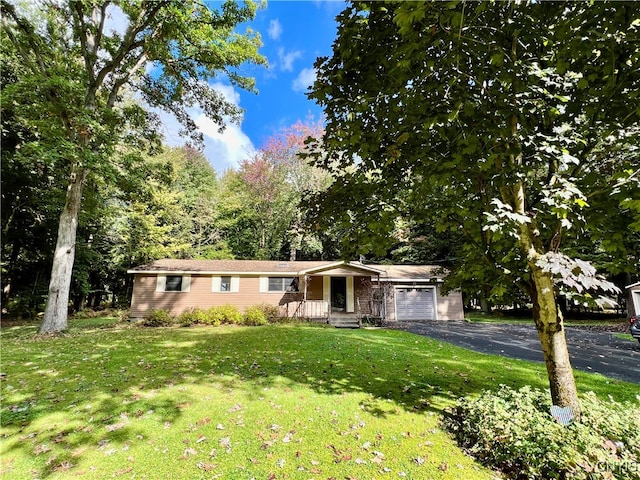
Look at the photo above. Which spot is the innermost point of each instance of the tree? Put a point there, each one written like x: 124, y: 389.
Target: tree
x: 260, y: 213
x: 76, y: 69
x: 256, y: 208
x: 288, y: 149
x: 501, y: 111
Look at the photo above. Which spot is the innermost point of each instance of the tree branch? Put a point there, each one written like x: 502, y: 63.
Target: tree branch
x: 113, y: 94
x: 129, y: 43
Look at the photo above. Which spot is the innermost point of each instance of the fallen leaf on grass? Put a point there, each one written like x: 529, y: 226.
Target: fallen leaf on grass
x: 113, y: 427
x: 42, y: 448
x: 225, y: 442
x: 187, y: 452
x: 207, y: 467
x: 63, y: 467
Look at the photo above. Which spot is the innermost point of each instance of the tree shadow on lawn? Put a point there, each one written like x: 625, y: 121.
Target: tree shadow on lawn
x: 84, y: 389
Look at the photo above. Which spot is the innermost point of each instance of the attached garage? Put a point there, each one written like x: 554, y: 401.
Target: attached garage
x: 415, y: 303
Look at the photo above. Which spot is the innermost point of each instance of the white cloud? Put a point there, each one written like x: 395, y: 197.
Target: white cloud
x: 223, y: 150
x: 275, y: 29
x: 227, y: 149
x: 228, y: 92
x: 304, y: 80
x: 287, y: 59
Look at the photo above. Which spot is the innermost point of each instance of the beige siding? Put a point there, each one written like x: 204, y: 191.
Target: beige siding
x: 145, y: 297
x: 390, y: 303
x: 449, y: 306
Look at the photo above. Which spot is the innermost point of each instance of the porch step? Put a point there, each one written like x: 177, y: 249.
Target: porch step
x: 345, y: 322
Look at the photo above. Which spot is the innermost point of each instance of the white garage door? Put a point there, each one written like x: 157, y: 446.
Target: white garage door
x: 415, y: 304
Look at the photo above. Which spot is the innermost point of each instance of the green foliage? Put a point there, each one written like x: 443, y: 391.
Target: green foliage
x: 193, y: 316
x: 513, y: 430
x: 486, y: 120
x: 70, y: 74
x: 259, y: 207
x: 157, y: 318
x: 229, y: 314
x: 224, y: 314
x: 254, y: 316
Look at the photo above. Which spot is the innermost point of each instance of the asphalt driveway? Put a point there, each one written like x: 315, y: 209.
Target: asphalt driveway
x: 590, y: 351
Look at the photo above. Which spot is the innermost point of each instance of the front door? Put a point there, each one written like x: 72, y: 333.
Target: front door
x: 338, y: 294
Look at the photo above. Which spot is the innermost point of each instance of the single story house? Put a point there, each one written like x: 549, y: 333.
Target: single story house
x: 633, y: 300
x: 318, y: 290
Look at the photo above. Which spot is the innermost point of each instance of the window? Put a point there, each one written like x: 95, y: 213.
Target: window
x: 173, y: 284
x: 283, y: 284
x: 225, y: 284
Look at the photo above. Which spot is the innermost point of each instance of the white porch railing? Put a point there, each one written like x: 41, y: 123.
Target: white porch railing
x: 306, y: 309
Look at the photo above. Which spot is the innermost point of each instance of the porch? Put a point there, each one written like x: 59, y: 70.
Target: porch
x: 370, y: 309
x: 340, y: 294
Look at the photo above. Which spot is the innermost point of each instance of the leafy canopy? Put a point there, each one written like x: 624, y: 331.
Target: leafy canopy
x: 502, y: 120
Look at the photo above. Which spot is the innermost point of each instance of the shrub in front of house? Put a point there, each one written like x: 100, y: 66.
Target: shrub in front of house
x: 212, y: 317
x: 271, y: 312
x: 193, y: 316
x: 157, y: 318
x: 514, y: 431
x: 224, y: 314
x: 254, y: 316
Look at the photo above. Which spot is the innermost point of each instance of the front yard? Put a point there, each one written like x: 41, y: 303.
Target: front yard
x: 275, y: 402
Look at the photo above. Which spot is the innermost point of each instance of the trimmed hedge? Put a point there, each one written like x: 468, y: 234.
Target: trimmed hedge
x: 514, y: 431
x: 193, y: 316
x: 254, y: 316
x: 215, y: 316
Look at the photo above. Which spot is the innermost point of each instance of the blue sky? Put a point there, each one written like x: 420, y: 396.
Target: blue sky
x: 294, y: 34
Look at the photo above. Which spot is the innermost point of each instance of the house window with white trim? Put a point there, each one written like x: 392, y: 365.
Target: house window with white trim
x: 283, y: 284
x: 173, y: 283
x: 225, y: 284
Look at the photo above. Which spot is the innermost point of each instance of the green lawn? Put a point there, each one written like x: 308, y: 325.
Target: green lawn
x: 276, y: 402
x: 497, y: 317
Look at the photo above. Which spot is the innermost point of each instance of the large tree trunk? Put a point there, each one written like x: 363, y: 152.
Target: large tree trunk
x: 55, y: 314
x: 550, y: 326
x: 546, y: 314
